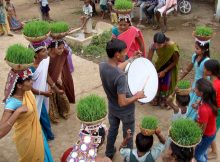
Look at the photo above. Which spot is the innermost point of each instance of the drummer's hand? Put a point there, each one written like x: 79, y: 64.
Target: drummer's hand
x: 140, y: 95
x: 137, y: 54
x: 161, y: 74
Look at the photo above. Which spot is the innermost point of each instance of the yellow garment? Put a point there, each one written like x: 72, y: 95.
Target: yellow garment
x: 28, y: 136
x: 114, y: 18
x: 6, y: 27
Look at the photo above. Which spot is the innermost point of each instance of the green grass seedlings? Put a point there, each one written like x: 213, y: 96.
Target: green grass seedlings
x: 185, y: 132
x: 91, y: 108
x: 149, y: 122
x: 36, y: 28
x: 97, y: 46
x: 123, y: 4
x: 183, y: 84
x: 19, y: 54
x: 204, y: 31
x: 59, y: 27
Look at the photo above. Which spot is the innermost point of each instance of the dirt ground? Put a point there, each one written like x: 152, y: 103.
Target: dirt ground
x: 86, y: 76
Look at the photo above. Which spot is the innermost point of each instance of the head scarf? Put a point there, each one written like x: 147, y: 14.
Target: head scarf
x: 12, y: 80
x: 125, y: 17
x: 40, y: 45
x: 202, y: 42
x: 57, y: 41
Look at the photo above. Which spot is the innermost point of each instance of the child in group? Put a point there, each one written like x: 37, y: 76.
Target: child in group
x: 103, y: 7
x: 201, y: 55
x: 212, y: 69
x: 144, y: 151
x: 86, y: 18
x: 176, y: 153
x: 180, y: 108
x: 207, y: 113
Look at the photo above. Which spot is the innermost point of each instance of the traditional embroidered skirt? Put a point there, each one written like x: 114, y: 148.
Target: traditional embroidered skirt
x: 59, y: 106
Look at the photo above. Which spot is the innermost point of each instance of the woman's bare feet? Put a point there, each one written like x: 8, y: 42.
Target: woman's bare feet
x: 212, y: 155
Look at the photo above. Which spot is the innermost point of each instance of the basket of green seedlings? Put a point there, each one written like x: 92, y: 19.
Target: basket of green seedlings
x: 19, y: 57
x: 91, y: 109
x: 203, y: 33
x: 183, y: 87
x: 36, y: 31
x: 123, y: 6
x: 185, y: 133
x: 59, y: 29
x: 148, y: 126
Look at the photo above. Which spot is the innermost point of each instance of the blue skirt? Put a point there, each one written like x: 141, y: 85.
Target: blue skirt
x: 45, y: 124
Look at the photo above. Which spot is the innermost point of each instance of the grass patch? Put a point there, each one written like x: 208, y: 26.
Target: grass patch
x: 185, y: 132
x: 91, y: 108
x: 97, y: 47
x: 149, y: 122
x: 59, y: 27
x: 123, y: 4
x: 77, y: 49
x: 19, y: 54
x: 183, y: 84
x: 204, y: 31
x: 36, y: 28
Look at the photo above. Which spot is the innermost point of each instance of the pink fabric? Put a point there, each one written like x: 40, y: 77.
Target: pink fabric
x: 129, y: 37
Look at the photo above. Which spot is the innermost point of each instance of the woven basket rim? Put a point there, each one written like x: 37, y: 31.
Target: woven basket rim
x: 150, y: 131
x: 183, y: 91
x: 123, y: 11
x: 93, y: 122
x: 39, y: 37
x: 59, y: 35
x: 188, y: 146
x: 21, y: 66
x: 204, y: 38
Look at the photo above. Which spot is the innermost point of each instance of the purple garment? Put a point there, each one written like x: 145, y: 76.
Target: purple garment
x: 69, y: 57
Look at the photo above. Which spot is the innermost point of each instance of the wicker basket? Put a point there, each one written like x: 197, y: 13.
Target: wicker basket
x: 59, y: 35
x: 128, y: 11
x: 188, y: 146
x: 183, y: 92
x: 18, y: 66
x: 202, y: 38
x: 37, y: 39
x: 147, y: 132
x: 93, y: 122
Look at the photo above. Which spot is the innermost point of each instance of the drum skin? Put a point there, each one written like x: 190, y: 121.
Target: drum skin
x: 142, y: 75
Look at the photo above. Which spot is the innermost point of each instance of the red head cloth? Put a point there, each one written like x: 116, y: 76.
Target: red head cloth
x: 12, y: 80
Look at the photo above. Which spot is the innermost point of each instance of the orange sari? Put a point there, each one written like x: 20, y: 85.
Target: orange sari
x: 27, y: 132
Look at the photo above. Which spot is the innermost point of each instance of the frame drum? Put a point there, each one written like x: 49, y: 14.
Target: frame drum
x: 142, y: 75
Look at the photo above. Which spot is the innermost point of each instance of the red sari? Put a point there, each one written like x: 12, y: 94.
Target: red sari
x: 130, y: 38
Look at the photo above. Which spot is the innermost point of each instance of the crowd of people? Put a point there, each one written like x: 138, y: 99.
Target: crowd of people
x: 42, y: 93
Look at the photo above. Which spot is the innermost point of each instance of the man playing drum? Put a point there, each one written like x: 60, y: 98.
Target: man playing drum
x: 120, y: 103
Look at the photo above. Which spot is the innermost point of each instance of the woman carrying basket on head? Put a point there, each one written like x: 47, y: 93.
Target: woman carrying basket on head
x: 21, y: 114
x: 131, y: 35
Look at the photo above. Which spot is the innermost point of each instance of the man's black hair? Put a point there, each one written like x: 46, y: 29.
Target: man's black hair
x: 114, y: 46
x: 144, y: 143
x: 183, y: 100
